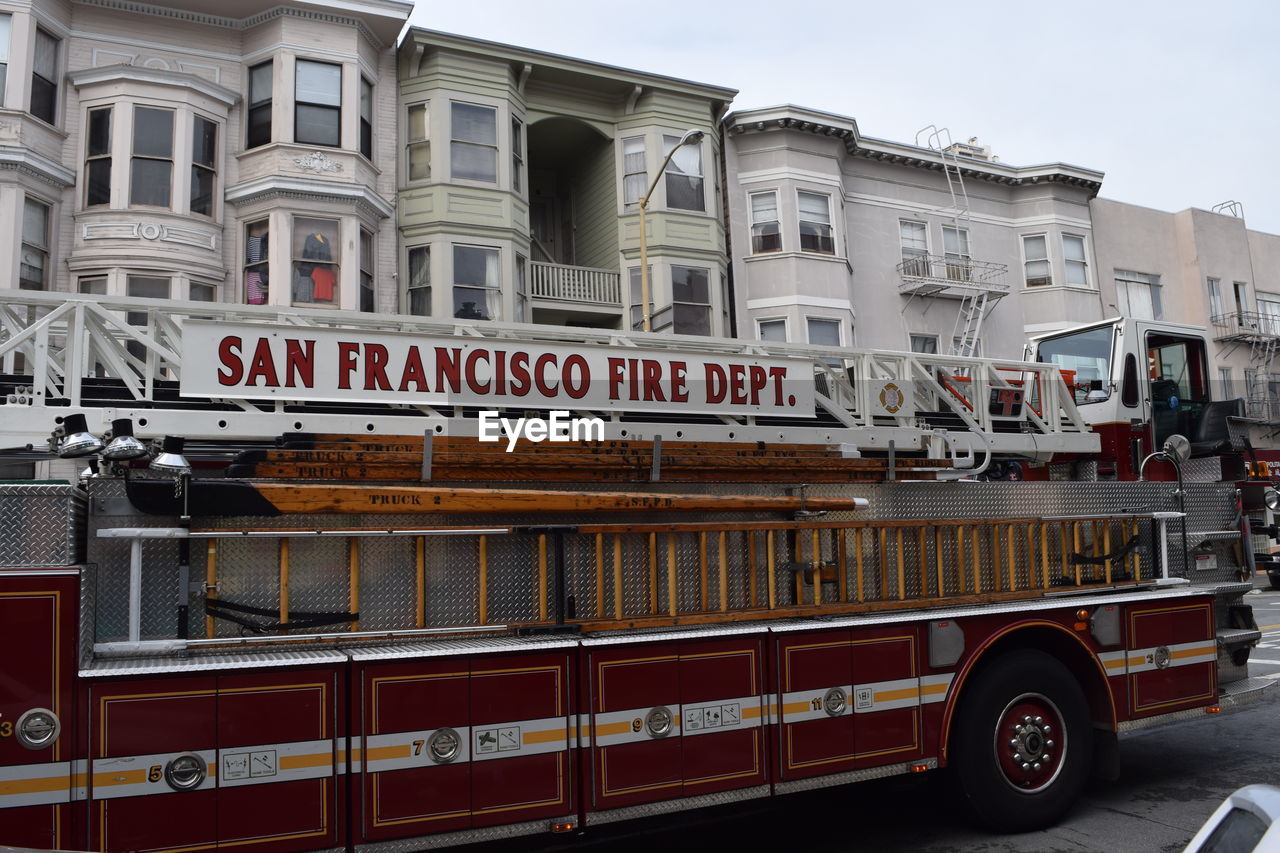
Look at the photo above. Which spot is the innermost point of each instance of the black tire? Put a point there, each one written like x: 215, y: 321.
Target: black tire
x: 1012, y: 767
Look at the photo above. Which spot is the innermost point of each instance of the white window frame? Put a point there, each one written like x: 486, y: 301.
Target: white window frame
x: 262, y: 103
x: 1082, y: 263
x: 1214, y: 288
x: 368, y: 281
x: 959, y: 262
x: 365, y: 118
x: 829, y: 224
x: 1027, y: 260
x: 811, y: 320
x: 761, y: 322
x: 1225, y: 383
x: 58, y: 54
x: 262, y: 229
x: 107, y: 158
x: 172, y: 159
x: 1268, y: 312
x: 517, y: 154
x: 1124, y: 299
x: 754, y: 223
x: 707, y: 305
x: 421, y: 283
x: 912, y: 337
x: 493, y: 292
x: 195, y: 167
x: 29, y: 244
x: 675, y: 171
x: 629, y: 186
x: 915, y: 259
x: 492, y: 147
x: 335, y: 108
x: 412, y: 143
x: 6, y: 38
x: 297, y: 258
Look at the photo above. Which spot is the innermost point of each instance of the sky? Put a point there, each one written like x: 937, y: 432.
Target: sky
x: 1178, y: 103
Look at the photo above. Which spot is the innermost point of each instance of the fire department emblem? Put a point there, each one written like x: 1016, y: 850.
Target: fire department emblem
x: 1161, y: 657
x: 891, y: 398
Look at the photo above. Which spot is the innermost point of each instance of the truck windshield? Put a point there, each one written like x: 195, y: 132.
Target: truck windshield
x: 1085, y: 360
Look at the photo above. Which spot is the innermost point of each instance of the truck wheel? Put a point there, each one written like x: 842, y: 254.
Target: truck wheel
x: 1022, y: 742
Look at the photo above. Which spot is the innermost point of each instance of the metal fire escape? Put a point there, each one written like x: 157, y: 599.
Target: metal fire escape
x: 1261, y: 333
x: 976, y: 284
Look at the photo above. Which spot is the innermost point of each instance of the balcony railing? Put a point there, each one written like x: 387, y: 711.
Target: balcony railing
x: 575, y: 284
x: 938, y: 275
x: 1245, y: 326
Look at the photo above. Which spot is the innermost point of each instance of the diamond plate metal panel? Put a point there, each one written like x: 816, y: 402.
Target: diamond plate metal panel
x: 41, y: 525
x: 388, y: 584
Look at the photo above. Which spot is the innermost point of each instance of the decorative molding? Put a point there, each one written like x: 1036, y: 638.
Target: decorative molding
x: 149, y: 231
x: 212, y: 73
x: 112, y: 57
x: 317, y: 162
x: 140, y: 74
x: 254, y: 20
x: 26, y: 162
x: 110, y: 231
x: 189, y: 237
x: 366, y: 201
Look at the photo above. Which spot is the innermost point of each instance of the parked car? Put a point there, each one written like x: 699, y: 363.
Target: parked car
x: 1248, y: 820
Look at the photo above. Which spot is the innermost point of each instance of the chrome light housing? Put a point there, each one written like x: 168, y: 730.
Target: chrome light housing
x: 123, y: 446
x: 77, y: 441
x: 170, y: 459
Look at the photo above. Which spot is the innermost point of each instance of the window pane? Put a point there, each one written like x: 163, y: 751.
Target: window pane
x: 315, y: 249
x: 152, y: 132
x: 99, y: 132
x: 150, y: 287
x: 418, y: 128
x: 256, y: 268
x: 475, y: 124
x: 689, y: 284
x: 684, y: 192
x: 35, y: 223
x: 366, y: 100
x: 318, y: 83
x: 474, y: 162
x: 46, y: 56
x: 1035, y: 248
x: 420, y: 161
x: 202, y: 293
x: 691, y: 319
x: 96, y: 285
x: 149, y: 182
x: 474, y: 265
x: 773, y: 330
x: 914, y: 238
x: 99, y: 176
x: 473, y: 303
x: 420, y: 301
x: 1072, y: 248
x: 201, y: 191
x: 317, y: 125
x: 814, y: 208
x: 420, y: 266
x: 4, y: 39
x: 824, y: 332
x: 927, y: 344
x: 955, y: 242
x: 44, y: 99
x: 315, y: 239
x: 764, y: 207
x: 204, y: 142
x: 259, y: 125
x: 260, y: 84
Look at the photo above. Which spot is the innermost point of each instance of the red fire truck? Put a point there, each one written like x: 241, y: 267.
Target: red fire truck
x: 338, y: 584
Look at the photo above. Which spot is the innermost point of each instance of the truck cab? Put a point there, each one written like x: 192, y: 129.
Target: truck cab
x: 1137, y: 382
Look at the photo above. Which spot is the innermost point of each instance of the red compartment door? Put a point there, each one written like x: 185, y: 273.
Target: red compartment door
x: 520, y: 739
x: 635, y: 722
x: 886, y: 697
x: 1172, y: 658
x: 135, y: 729
x: 276, y: 760
x: 815, y: 705
x: 721, y: 719
x: 38, y: 628
x: 414, y: 748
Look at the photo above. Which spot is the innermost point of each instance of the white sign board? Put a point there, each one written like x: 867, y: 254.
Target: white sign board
x: 267, y: 362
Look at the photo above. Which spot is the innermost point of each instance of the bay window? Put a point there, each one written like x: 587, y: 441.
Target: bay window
x: 418, y: 143
x: 44, y: 78
x: 151, y: 169
x: 766, y: 232
x: 474, y: 143
x: 772, y: 330
x: 683, y: 175
x: 475, y: 283
x: 259, y: 119
x: 204, y: 164
x: 97, y: 166
x: 815, y: 223
x: 33, y: 265
x: 635, y: 178
x: 1035, y: 259
x: 256, y: 280
x: 317, y: 103
x: 419, y: 287
x: 366, y: 271
x: 366, y: 118
x: 690, y: 301
x: 315, y: 261
x: 1074, y: 258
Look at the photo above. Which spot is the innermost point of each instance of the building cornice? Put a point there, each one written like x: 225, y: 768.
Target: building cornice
x: 803, y: 119
x: 419, y: 39
x: 27, y: 162
x: 393, y: 9
x: 141, y: 74
x: 301, y: 189
x: 791, y: 117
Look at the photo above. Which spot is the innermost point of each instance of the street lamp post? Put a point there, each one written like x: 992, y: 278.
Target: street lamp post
x: 691, y: 137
